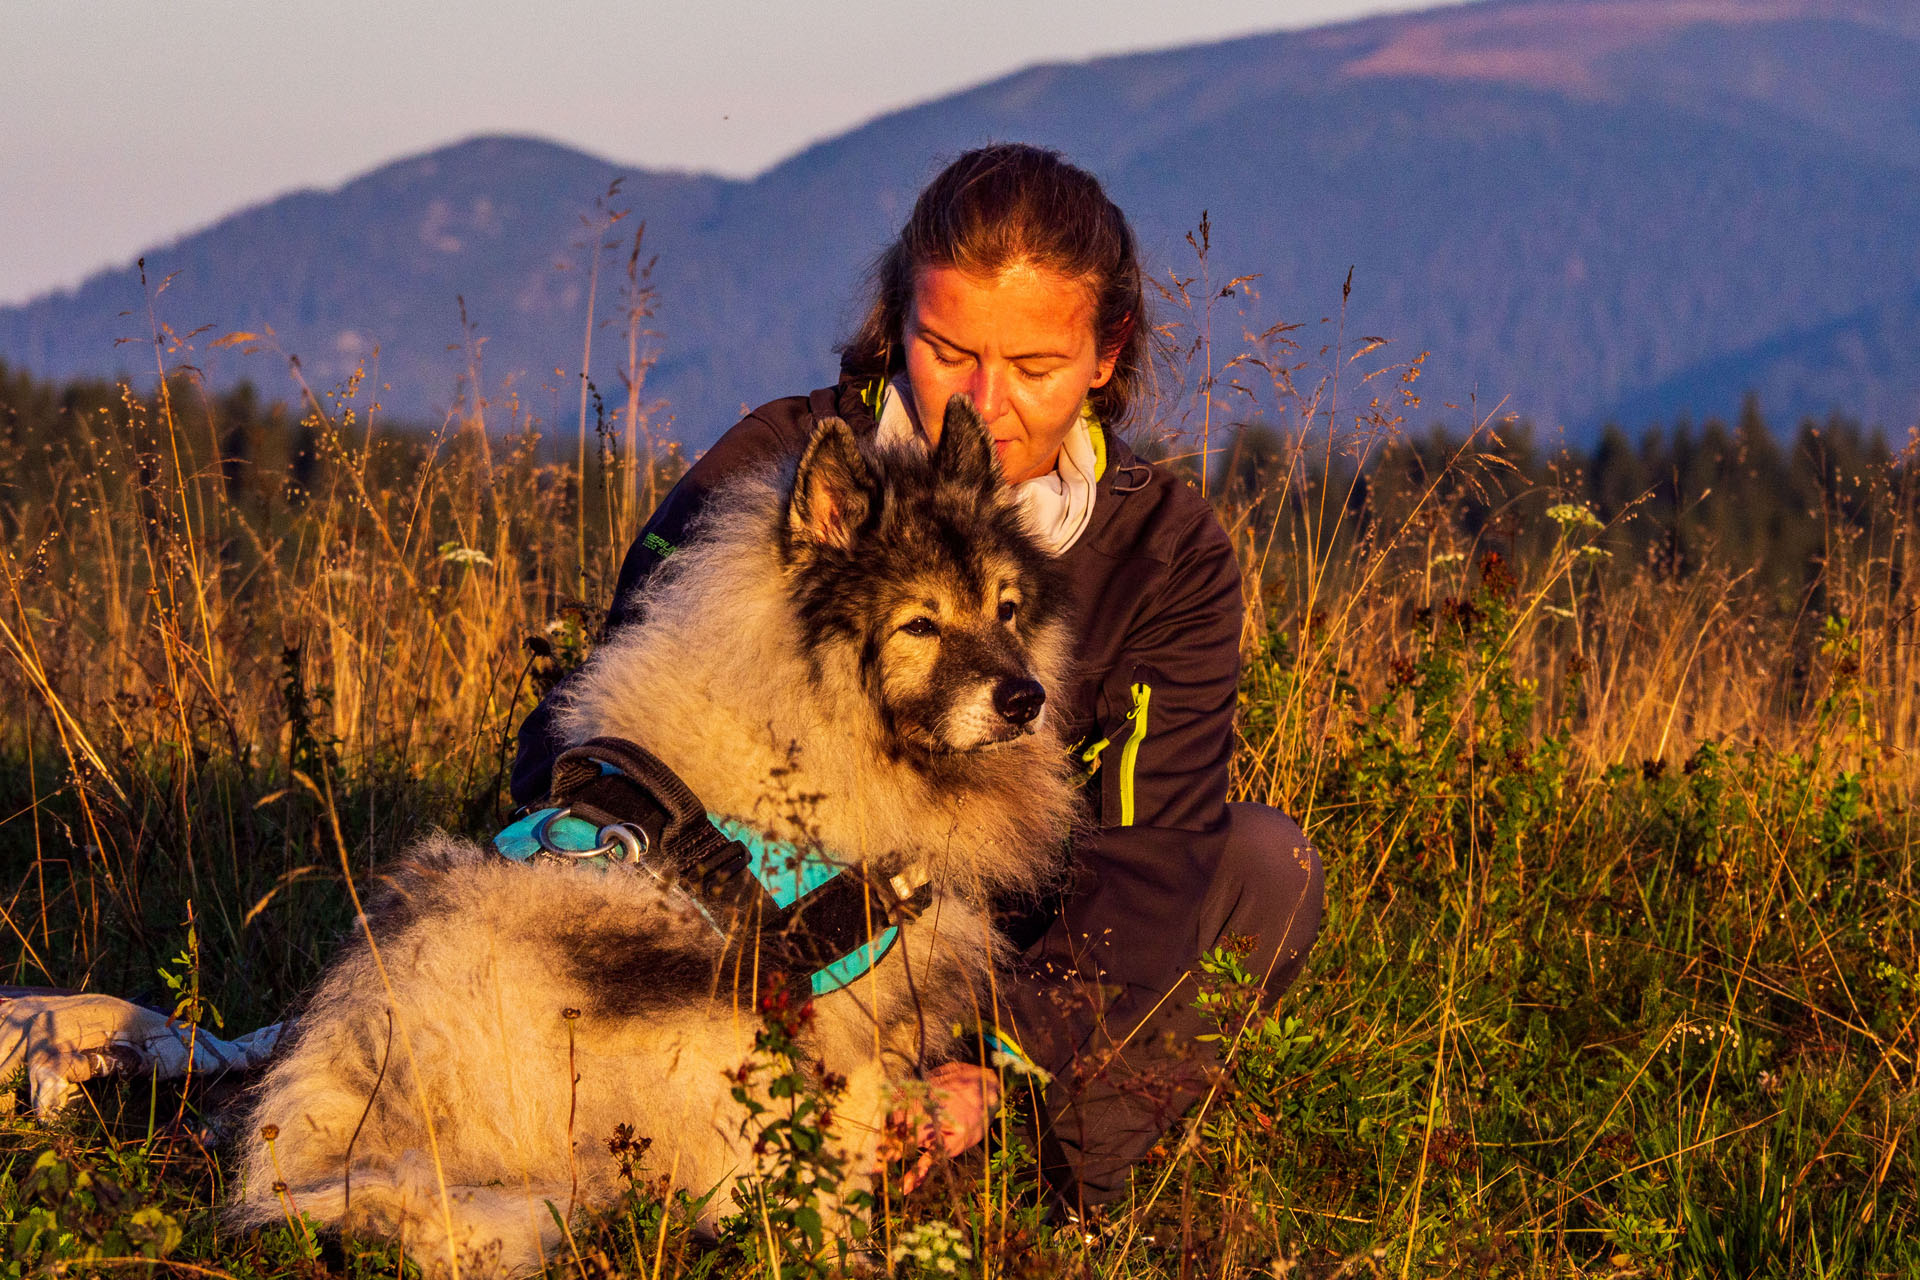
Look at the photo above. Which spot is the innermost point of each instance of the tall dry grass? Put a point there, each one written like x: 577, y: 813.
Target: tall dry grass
x: 192, y: 608
x: 1351, y: 535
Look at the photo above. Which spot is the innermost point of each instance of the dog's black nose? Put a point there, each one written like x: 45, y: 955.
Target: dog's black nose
x: 1019, y: 700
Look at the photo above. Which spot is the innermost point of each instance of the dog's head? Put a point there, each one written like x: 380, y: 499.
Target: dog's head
x: 921, y: 563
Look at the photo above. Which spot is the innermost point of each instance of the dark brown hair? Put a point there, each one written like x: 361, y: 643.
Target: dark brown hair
x: 1004, y: 206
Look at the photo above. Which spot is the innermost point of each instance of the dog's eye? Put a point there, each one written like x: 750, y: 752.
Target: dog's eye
x: 1007, y: 609
x: 922, y: 627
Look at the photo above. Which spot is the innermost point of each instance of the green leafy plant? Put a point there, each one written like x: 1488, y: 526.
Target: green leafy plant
x: 72, y: 1214
x: 798, y: 1178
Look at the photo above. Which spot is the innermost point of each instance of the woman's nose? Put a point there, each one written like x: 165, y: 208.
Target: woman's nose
x: 988, y: 387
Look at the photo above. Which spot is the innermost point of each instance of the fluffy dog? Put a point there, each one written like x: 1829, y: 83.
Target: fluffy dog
x: 851, y: 657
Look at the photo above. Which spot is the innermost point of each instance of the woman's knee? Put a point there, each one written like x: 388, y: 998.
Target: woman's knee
x: 1276, y: 891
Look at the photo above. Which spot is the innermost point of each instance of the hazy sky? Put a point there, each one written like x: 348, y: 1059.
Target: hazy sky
x: 127, y: 122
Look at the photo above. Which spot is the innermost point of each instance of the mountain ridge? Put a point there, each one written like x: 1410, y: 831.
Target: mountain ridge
x: 1588, y: 254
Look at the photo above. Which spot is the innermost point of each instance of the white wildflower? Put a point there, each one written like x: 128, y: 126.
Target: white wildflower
x: 451, y: 554
x: 1704, y: 1031
x: 1572, y: 515
x: 934, y: 1245
x: 1446, y: 558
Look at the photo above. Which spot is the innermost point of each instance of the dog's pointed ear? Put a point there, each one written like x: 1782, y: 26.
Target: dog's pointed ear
x: 966, y: 450
x: 833, y: 492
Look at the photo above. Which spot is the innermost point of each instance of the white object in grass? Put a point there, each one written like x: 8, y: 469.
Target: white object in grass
x: 64, y: 1040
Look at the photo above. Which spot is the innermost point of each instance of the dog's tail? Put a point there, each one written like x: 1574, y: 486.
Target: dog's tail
x: 475, y: 1233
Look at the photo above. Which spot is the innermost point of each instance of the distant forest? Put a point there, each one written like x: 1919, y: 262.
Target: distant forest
x: 1735, y: 497
x: 1765, y: 509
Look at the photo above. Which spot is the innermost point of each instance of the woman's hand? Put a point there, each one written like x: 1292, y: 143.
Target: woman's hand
x: 961, y: 1098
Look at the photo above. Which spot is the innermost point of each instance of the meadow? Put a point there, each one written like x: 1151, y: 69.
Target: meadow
x: 1613, y: 780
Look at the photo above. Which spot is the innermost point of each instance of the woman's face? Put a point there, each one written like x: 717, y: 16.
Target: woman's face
x: 1021, y: 343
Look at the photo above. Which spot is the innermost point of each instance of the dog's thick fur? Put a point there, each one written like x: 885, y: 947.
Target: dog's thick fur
x: 822, y: 661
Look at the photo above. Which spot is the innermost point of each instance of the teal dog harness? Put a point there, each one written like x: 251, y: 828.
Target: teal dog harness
x: 786, y: 908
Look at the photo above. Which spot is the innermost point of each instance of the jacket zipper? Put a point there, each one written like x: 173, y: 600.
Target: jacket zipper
x: 1130, y: 753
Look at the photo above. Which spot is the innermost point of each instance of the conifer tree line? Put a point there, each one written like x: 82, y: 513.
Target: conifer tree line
x: 1743, y: 499
x: 1737, y: 497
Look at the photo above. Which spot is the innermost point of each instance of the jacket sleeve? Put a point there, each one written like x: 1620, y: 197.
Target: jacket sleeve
x: 1129, y: 926
x: 753, y: 442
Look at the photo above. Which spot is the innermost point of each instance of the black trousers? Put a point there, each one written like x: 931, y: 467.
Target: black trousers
x: 1144, y: 1065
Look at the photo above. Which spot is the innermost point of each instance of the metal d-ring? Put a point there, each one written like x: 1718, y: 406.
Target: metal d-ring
x: 545, y: 841
x: 617, y: 840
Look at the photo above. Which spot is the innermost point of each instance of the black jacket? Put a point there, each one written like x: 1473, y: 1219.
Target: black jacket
x: 1156, y: 617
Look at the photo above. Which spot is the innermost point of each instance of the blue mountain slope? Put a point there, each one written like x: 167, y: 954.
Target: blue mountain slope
x: 1579, y: 206
x: 382, y: 262
x: 1865, y: 365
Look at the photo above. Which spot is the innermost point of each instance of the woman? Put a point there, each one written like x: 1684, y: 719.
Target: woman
x: 1016, y: 282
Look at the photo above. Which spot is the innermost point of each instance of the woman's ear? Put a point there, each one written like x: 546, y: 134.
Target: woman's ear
x: 833, y: 492
x: 966, y: 449
x: 1103, y: 370
x: 1110, y: 358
